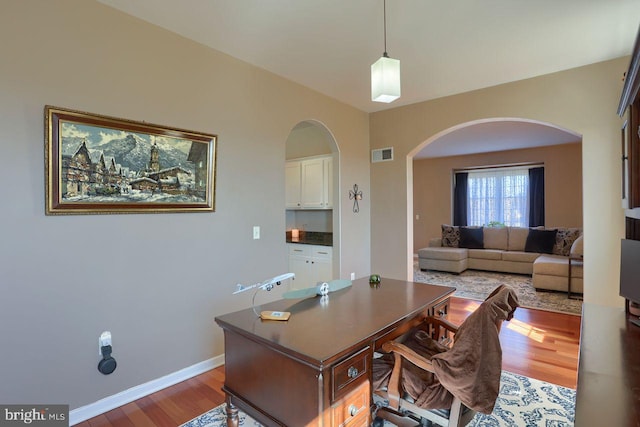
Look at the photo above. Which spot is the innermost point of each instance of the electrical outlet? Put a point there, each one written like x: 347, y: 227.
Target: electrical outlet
x: 353, y: 276
x: 256, y: 232
x: 105, y: 339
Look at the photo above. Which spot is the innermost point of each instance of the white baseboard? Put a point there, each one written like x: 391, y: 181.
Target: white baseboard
x: 108, y: 403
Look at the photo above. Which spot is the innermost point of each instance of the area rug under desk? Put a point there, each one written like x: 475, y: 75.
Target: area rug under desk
x: 523, y: 402
x: 477, y: 285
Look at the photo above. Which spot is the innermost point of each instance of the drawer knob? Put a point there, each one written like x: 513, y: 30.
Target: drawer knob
x: 353, y: 410
x: 352, y: 372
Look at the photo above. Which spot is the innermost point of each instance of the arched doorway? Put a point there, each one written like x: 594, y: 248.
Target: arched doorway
x: 486, y: 143
x: 311, y: 139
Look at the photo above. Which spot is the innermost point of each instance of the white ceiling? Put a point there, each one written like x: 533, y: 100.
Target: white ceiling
x: 444, y: 46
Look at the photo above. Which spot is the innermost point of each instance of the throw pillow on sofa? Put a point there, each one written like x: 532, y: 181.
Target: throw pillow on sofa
x: 471, y: 238
x: 450, y: 236
x: 541, y: 241
x: 564, y: 240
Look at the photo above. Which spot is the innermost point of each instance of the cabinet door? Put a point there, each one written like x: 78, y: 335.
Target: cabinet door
x: 634, y: 155
x: 625, y: 165
x: 310, y: 263
x: 328, y: 183
x: 312, y: 191
x: 300, y: 266
x: 321, y: 263
x: 292, y: 185
x: 321, y: 270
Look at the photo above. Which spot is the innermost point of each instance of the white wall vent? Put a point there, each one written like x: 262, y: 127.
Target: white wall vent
x: 382, y: 155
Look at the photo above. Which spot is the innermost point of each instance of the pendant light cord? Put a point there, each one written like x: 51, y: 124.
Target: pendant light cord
x: 384, y: 20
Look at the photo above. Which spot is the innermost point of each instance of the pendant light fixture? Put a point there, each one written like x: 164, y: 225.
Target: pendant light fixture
x: 385, y: 73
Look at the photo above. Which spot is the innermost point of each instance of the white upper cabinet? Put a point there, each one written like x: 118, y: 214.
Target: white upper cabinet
x: 327, y: 164
x: 312, y: 184
x: 309, y: 183
x: 292, y: 185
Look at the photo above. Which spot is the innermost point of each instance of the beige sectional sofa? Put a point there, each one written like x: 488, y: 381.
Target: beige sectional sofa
x: 542, y: 253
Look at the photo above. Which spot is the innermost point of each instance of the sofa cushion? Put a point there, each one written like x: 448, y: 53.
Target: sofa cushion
x: 564, y: 240
x: 485, y: 253
x: 446, y: 254
x: 471, y: 237
x: 556, y: 265
x: 517, y: 256
x: 450, y: 236
x: 517, y: 238
x: 541, y: 241
x: 495, y: 238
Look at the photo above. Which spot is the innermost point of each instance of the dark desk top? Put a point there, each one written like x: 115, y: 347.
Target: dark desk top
x: 321, y: 331
x: 608, y: 391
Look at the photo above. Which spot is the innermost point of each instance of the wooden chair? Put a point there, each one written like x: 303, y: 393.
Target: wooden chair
x: 401, y: 409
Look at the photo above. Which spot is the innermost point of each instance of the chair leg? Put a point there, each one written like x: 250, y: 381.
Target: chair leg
x: 456, y: 412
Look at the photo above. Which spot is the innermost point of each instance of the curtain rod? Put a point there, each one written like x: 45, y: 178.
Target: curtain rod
x: 528, y: 165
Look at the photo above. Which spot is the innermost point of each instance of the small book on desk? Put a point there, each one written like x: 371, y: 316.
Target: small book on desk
x: 275, y: 315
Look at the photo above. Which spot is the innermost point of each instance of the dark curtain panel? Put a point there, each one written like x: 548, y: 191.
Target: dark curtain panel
x: 536, y: 197
x: 460, y: 199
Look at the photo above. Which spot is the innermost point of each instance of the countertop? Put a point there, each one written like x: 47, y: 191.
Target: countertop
x: 608, y: 390
x: 311, y: 238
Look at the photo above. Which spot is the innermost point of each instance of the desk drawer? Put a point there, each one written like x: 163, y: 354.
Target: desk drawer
x: 345, y: 375
x: 353, y: 410
x: 441, y: 309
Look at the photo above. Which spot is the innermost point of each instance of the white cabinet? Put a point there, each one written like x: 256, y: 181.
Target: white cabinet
x: 327, y: 166
x: 292, y: 185
x: 310, y: 263
x: 312, y: 184
x: 309, y: 183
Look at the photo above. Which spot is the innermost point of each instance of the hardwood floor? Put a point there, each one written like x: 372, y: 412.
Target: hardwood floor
x: 537, y: 344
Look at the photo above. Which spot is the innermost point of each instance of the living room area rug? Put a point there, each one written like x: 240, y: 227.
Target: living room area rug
x: 522, y: 402
x: 477, y: 285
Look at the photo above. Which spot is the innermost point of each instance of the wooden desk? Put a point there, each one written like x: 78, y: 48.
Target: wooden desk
x: 315, y: 368
x: 608, y: 392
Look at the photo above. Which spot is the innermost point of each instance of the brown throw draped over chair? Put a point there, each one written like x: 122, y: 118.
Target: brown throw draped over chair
x: 426, y: 378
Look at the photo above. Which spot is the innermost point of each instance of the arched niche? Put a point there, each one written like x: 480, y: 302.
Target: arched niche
x: 310, y: 138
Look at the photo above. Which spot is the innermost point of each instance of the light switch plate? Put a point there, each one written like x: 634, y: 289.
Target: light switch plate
x: 256, y: 232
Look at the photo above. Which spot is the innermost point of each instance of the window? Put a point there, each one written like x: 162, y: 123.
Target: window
x: 498, y: 195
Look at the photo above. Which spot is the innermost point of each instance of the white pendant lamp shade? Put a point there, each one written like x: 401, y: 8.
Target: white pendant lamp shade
x: 385, y: 79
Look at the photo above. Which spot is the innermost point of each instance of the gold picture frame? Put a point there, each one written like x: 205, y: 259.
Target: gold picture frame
x: 98, y: 164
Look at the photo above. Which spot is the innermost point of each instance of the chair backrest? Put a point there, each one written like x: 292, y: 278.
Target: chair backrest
x: 471, y: 369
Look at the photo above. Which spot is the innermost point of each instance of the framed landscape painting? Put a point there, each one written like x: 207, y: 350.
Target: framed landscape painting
x: 104, y: 165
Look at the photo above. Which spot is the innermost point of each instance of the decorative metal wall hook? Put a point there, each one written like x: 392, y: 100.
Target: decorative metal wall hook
x: 355, y: 195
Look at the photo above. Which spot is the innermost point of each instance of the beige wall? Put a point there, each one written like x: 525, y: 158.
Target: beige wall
x: 155, y: 281
x: 583, y: 100
x: 432, y: 192
x: 306, y: 141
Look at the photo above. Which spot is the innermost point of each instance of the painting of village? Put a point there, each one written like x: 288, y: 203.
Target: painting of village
x: 113, y: 166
